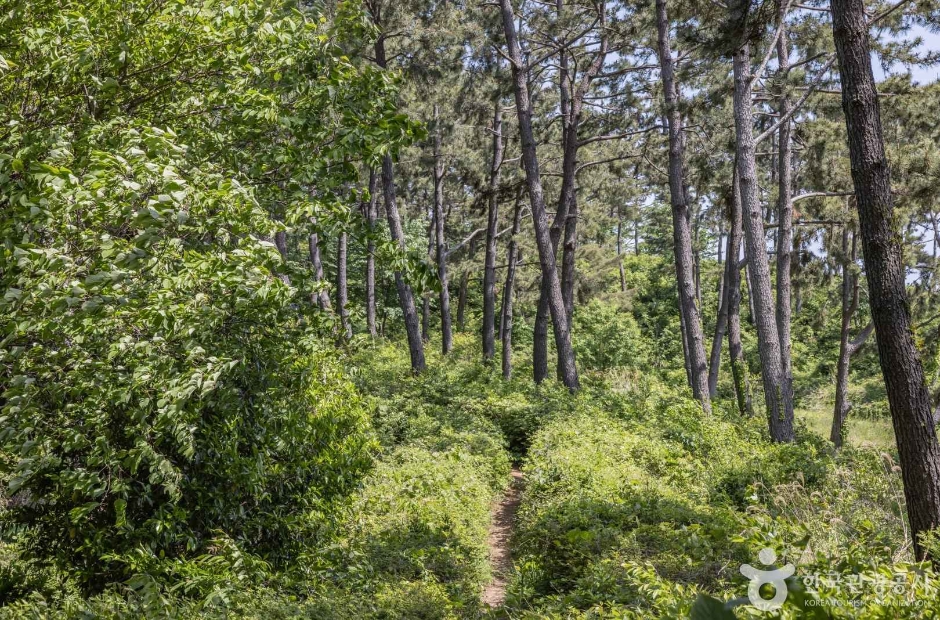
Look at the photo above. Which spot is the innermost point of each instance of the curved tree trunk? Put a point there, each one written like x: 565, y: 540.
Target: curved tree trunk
x: 691, y: 319
x: 903, y: 372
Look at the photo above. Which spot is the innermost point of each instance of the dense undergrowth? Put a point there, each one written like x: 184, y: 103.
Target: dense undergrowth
x: 635, y: 502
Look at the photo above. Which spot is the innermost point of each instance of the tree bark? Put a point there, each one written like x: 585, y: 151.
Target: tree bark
x: 464, y: 285
x: 779, y: 408
x: 916, y: 436
x: 489, y: 261
x: 731, y: 262
x: 566, y: 364
x: 623, y: 274
x: 371, y: 215
x: 342, y: 295
x: 441, y: 243
x: 571, y: 99
x: 313, y: 248
x: 405, y: 296
x: 426, y: 296
x: 682, y: 236
x: 847, y: 346
x: 280, y: 242
x: 506, y: 320
x: 739, y: 373
x: 784, y: 244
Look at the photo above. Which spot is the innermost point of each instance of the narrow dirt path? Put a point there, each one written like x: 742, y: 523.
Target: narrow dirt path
x: 504, y: 514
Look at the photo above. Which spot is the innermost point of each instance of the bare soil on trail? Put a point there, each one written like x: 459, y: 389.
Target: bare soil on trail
x: 504, y: 515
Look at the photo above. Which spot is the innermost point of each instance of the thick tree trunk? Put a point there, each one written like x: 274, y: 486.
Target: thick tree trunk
x: 313, y: 248
x: 779, y: 408
x: 682, y: 236
x: 784, y: 244
x: 440, y: 241
x: 903, y: 372
x: 371, y: 215
x: 539, y: 217
x: 506, y: 320
x: 489, y: 261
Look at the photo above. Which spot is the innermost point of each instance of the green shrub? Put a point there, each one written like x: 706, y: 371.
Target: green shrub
x: 606, y: 337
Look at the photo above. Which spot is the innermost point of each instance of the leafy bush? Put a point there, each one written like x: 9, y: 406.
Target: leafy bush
x: 606, y: 337
x: 163, y: 386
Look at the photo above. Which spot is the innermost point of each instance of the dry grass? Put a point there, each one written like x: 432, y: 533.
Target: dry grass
x: 862, y: 433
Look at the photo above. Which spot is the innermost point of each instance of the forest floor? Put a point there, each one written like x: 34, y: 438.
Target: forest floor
x: 500, y: 534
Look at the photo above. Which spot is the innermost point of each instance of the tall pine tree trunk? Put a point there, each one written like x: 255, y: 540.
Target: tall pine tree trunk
x: 623, y: 274
x: 426, y: 297
x: 721, y: 322
x: 682, y: 235
x: 847, y: 346
x: 556, y: 305
x: 489, y: 261
x: 739, y: 372
x: 908, y: 396
x: 342, y: 293
x: 506, y: 320
x: 784, y: 244
x: 464, y: 286
x: 405, y: 296
x: 371, y: 215
x: 313, y: 248
x: 440, y: 243
x: 779, y: 409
